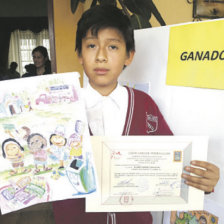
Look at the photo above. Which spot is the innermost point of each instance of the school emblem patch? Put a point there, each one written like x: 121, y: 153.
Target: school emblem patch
x: 151, y: 123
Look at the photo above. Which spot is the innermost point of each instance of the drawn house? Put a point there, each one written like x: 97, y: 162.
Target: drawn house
x: 10, y: 105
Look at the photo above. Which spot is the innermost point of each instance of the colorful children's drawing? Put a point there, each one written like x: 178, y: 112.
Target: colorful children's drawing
x: 75, y: 144
x: 13, y: 151
x: 22, y: 132
x: 58, y: 143
x: 81, y: 175
x: 45, y: 145
x: 37, y: 144
x: 26, y: 191
x: 193, y: 217
x: 75, y: 141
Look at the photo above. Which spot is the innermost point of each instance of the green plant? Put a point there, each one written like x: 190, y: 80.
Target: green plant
x: 139, y: 11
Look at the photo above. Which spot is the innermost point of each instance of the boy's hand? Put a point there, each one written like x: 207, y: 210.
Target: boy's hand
x: 207, y: 175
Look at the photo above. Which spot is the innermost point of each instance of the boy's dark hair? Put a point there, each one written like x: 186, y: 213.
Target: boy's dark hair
x: 104, y: 16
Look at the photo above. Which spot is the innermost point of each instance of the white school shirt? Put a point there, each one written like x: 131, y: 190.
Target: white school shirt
x: 106, y: 114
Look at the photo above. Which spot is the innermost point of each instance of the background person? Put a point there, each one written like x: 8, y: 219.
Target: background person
x: 2, y: 73
x: 30, y: 70
x: 41, y: 60
x: 11, y: 73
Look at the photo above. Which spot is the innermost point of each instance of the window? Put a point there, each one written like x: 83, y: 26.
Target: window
x: 21, y: 45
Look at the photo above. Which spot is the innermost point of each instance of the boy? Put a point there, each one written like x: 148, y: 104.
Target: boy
x: 105, y: 45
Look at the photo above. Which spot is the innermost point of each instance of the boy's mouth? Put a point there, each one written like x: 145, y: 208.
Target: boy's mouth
x: 101, y: 71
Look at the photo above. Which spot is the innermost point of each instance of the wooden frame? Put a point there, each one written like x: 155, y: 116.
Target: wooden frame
x: 208, y: 9
x: 51, y: 35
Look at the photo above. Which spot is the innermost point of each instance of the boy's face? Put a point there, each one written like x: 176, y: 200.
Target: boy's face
x: 103, y: 58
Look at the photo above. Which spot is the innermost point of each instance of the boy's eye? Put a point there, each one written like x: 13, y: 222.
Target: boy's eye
x: 113, y: 47
x: 91, y: 45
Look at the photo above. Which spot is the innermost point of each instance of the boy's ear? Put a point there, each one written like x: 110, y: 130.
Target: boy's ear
x: 130, y: 57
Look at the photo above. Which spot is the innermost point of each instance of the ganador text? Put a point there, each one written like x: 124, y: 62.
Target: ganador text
x: 202, y: 55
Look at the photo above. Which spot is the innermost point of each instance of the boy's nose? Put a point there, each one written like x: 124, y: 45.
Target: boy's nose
x: 101, y: 56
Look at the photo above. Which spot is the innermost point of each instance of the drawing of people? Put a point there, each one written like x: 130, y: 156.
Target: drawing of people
x: 58, y: 146
x: 202, y: 220
x: 37, y: 145
x: 75, y: 141
x: 19, y: 103
x: 13, y: 151
x: 21, y: 133
x: 29, y: 104
x: 75, y: 146
x: 24, y: 132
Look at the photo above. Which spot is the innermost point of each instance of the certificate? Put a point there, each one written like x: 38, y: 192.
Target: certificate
x: 143, y: 173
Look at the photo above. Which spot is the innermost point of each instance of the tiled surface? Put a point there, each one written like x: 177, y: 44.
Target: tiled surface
x: 37, y: 214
